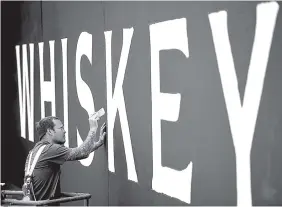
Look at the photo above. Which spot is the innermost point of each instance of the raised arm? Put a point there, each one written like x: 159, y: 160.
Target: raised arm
x: 89, y: 145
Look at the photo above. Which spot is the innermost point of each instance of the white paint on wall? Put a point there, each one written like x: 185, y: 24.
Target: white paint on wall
x: 166, y: 106
x: 84, y: 47
x: 26, y: 90
x: 115, y: 101
x: 64, y: 43
x: 47, y: 88
x: 242, y: 117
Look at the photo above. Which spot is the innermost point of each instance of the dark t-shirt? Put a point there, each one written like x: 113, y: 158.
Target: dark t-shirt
x: 46, y: 174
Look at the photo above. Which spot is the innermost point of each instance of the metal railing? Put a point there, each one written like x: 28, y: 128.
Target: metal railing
x: 65, y: 197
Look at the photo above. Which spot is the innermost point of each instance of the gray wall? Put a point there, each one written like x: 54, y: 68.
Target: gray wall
x: 201, y: 134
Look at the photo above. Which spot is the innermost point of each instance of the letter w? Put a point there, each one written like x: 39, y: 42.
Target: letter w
x: 26, y: 90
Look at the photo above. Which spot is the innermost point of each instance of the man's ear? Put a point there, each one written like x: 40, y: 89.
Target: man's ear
x: 50, y: 131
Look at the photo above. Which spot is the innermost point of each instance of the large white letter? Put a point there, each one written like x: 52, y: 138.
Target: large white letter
x: 26, y: 90
x: 243, y: 117
x: 47, y: 88
x: 164, y: 36
x: 116, y: 101
x: 65, y: 85
x: 84, y: 47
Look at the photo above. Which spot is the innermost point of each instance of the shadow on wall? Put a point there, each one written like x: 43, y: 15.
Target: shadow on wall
x: 14, y: 149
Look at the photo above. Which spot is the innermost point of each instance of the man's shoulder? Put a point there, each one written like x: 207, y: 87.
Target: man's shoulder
x: 54, y: 148
x: 57, y: 153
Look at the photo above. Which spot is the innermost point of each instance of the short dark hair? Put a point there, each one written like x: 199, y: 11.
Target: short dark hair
x: 44, y: 124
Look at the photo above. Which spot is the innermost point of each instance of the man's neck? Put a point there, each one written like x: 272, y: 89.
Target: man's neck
x: 47, y: 139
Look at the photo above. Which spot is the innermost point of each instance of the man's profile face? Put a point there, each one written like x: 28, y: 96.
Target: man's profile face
x: 59, y: 132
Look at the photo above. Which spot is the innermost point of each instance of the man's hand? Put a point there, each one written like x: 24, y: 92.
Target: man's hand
x: 89, y: 145
x: 103, y: 131
x: 93, y: 122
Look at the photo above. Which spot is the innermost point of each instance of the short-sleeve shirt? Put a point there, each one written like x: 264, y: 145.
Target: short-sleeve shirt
x: 46, y: 174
